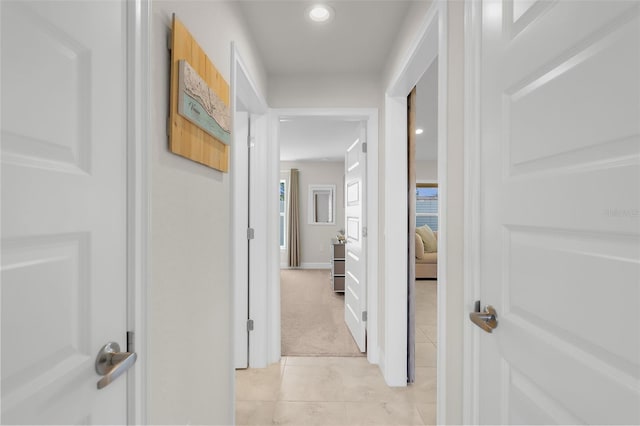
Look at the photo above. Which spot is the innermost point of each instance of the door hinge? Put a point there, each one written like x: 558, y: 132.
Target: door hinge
x: 249, y: 325
x: 131, y: 341
x: 169, y: 38
x: 168, y: 126
x: 364, y: 316
x: 364, y: 147
x: 365, y: 232
x: 251, y: 233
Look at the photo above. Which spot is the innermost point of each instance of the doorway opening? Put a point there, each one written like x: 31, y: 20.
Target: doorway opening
x: 324, y: 300
x: 429, y: 49
x: 319, y: 236
x: 247, y: 178
x: 423, y: 221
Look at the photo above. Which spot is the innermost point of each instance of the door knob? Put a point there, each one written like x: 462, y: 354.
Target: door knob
x: 111, y: 363
x: 487, y: 320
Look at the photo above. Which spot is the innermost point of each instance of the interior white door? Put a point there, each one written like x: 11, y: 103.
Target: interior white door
x: 64, y: 240
x: 355, y: 293
x: 240, y: 186
x: 258, y: 282
x: 559, y: 212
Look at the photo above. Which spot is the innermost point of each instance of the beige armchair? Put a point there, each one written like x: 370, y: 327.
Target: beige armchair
x: 426, y: 263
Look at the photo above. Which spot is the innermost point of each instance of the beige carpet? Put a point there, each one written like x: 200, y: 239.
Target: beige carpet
x: 313, y: 316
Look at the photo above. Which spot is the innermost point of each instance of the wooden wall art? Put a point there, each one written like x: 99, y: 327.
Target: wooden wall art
x: 200, y: 118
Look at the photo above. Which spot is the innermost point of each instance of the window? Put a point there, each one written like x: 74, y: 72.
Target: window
x: 283, y: 214
x: 427, y: 205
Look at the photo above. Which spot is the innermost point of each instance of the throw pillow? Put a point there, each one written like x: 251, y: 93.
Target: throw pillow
x: 428, y: 238
x: 419, y: 247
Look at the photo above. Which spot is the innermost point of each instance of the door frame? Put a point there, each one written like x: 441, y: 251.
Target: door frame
x: 472, y: 71
x: 244, y: 89
x: 138, y: 75
x: 370, y: 115
x: 431, y: 41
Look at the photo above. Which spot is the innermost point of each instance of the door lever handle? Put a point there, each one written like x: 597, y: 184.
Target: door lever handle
x: 487, y: 320
x: 111, y: 363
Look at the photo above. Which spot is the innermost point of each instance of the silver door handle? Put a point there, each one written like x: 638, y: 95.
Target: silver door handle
x: 111, y: 363
x: 487, y: 320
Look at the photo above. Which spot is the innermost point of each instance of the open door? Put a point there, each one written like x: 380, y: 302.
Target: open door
x: 559, y: 228
x: 64, y: 213
x: 249, y: 225
x: 355, y: 294
x: 240, y: 185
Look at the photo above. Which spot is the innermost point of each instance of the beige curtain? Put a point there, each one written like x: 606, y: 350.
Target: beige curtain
x: 294, y: 220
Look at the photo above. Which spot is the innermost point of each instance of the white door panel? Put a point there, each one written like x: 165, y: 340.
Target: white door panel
x: 560, y: 196
x: 63, y: 209
x: 258, y: 246
x: 355, y: 294
x: 240, y: 187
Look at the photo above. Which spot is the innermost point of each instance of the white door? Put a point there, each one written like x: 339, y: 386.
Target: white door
x: 240, y: 195
x: 355, y: 292
x: 64, y: 251
x: 257, y: 223
x: 559, y: 241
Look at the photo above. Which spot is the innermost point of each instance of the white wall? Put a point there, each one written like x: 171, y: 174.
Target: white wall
x: 190, y: 294
x: 324, y: 91
x: 426, y: 171
x: 315, y: 240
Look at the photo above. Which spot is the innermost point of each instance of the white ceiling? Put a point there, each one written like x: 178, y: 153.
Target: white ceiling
x: 316, y: 138
x: 427, y: 114
x: 358, y: 40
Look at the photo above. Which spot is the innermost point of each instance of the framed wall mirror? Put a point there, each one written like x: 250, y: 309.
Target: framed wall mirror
x: 321, y: 206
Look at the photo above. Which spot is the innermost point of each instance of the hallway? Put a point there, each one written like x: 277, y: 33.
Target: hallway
x: 344, y: 391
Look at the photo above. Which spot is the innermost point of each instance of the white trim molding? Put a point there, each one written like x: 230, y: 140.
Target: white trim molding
x: 138, y: 193
x: 443, y: 222
x: 394, y: 366
x: 473, y: 32
x: 370, y: 115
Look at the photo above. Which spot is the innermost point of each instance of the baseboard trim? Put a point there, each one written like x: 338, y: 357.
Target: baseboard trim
x: 308, y: 266
x: 381, y: 363
x: 373, y: 355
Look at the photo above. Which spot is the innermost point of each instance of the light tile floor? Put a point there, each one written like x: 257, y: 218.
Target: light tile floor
x: 344, y: 391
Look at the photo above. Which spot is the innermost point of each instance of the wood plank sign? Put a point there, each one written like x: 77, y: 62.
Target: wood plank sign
x: 200, y: 116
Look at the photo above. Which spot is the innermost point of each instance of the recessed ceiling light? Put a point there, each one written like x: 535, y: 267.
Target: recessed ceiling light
x: 419, y: 131
x: 320, y: 13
